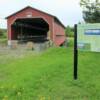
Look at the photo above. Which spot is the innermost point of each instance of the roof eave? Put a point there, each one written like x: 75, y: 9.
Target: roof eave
x: 37, y: 10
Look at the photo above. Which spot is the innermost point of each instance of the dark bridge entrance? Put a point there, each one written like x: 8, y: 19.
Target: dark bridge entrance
x: 30, y: 29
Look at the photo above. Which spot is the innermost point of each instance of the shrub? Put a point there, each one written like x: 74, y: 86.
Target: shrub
x: 69, y: 31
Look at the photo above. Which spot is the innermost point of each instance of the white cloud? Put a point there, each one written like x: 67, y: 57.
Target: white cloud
x: 68, y: 11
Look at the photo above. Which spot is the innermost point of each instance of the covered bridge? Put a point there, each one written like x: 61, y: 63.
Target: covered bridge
x: 30, y: 24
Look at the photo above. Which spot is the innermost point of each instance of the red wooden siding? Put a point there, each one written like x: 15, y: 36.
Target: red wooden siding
x: 57, y: 34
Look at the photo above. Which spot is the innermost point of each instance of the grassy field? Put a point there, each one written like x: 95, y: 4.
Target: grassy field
x: 49, y: 75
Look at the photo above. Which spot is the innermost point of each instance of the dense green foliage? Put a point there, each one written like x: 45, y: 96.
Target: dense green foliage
x: 3, y: 41
x: 49, y: 75
x: 3, y: 36
x: 69, y: 31
x: 3, y: 33
x: 91, y: 10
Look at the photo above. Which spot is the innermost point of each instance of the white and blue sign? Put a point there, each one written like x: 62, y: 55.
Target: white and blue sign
x: 92, y: 32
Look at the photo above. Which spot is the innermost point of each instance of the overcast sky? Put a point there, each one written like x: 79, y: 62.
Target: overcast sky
x: 68, y: 11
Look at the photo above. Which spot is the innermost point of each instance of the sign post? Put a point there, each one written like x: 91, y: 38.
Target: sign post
x: 75, y: 54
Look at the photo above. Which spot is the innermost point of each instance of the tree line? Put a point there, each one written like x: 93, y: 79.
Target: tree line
x: 91, y: 14
x: 91, y: 10
x: 3, y: 33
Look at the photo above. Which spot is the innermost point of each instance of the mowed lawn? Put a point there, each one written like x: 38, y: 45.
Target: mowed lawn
x: 49, y: 75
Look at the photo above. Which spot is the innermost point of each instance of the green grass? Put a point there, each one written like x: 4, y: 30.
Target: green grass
x: 49, y: 76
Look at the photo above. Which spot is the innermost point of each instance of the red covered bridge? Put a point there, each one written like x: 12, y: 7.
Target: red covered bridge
x: 30, y: 24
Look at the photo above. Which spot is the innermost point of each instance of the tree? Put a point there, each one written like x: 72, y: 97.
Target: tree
x: 1, y: 32
x: 91, y: 10
x: 69, y: 31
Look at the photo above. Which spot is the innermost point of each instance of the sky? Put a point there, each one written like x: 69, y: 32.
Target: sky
x: 68, y: 11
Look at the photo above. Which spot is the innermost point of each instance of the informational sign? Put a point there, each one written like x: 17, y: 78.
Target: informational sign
x: 92, y: 32
x: 88, y: 37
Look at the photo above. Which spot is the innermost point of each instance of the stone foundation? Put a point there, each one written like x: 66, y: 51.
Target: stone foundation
x: 13, y: 44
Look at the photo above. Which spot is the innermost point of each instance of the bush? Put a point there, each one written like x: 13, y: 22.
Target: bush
x: 3, y: 41
x: 70, y: 42
x: 69, y: 31
x: 3, y: 33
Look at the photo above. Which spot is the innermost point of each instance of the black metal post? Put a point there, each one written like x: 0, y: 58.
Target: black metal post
x: 75, y: 54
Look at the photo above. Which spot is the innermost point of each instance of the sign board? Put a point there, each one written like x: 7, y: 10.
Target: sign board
x: 88, y: 37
